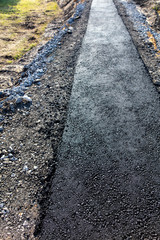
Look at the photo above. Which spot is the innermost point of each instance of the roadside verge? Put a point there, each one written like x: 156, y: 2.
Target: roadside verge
x: 31, y: 137
x: 144, y: 46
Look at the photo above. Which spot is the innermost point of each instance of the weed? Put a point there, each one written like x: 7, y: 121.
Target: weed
x: 9, y: 61
x: 156, y: 7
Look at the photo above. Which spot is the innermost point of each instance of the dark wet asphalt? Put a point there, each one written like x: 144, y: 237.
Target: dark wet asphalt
x: 107, y: 183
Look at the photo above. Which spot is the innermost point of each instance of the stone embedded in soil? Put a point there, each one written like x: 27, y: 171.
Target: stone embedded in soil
x: 10, y: 155
x: 18, y: 100
x: 5, y: 210
x: 1, y: 129
x: 10, y: 150
x: 156, y: 82
x: 27, y: 99
x: 40, y: 71
x: 70, y: 29
x: 25, y: 223
x: 14, y: 159
x: 24, y: 99
x: 25, y: 168
x: 1, y: 205
x: 158, y: 89
x: 13, y: 175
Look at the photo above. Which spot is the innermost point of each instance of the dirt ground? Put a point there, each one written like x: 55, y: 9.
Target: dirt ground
x: 145, y: 50
x: 31, y: 136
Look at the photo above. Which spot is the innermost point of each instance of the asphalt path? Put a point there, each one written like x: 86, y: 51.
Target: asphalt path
x: 107, y: 183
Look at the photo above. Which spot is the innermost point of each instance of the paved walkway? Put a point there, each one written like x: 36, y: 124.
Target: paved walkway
x: 107, y: 183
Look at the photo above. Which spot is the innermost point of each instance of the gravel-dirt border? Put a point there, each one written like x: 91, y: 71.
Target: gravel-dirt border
x: 31, y: 137
x: 144, y: 48
x: 37, y: 60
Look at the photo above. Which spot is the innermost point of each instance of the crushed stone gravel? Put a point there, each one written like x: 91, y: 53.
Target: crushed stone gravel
x: 30, y: 138
x: 138, y: 28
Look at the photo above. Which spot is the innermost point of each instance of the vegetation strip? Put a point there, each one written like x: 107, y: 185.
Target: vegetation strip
x: 22, y: 23
x: 35, y: 70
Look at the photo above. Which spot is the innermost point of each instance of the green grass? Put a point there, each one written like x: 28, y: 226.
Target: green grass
x: 21, y: 51
x: 156, y: 7
x: 21, y: 21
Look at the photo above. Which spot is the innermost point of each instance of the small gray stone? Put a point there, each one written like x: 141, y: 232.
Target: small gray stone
x: 36, y: 81
x: 27, y: 99
x: 6, y: 161
x: 70, y: 30
x: 19, y: 100
x: 1, y: 205
x: 25, y: 223
x: 14, y: 159
x: 25, y: 168
x: 10, y: 149
x: 4, y: 151
x: 13, y: 175
x: 5, y: 210
x: 27, y: 113
x: 156, y: 82
x: 10, y: 155
x: 40, y: 71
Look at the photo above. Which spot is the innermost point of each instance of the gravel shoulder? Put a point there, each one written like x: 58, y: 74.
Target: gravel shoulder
x: 143, y: 44
x: 30, y: 139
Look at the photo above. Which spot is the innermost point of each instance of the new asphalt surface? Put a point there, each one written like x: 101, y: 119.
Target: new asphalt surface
x: 107, y: 182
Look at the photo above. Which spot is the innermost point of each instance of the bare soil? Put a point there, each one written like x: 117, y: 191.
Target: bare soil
x: 31, y: 137
x: 145, y: 50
